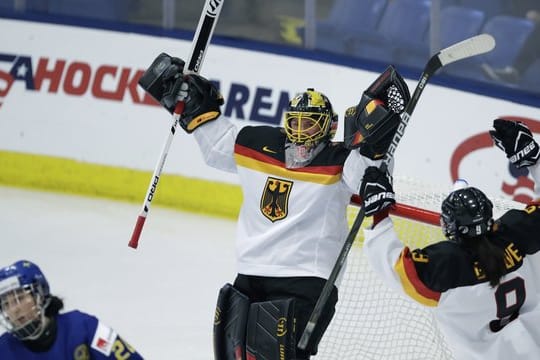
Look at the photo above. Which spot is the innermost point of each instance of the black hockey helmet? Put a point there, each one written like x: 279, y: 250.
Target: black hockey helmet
x: 466, y: 213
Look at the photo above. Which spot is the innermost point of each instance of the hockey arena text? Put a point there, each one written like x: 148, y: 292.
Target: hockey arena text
x: 119, y: 83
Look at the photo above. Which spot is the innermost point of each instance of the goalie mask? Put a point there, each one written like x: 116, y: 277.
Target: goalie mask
x: 24, y: 296
x: 310, y: 123
x: 466, y: 213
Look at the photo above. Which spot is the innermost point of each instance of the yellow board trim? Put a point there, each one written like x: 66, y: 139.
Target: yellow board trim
x: 58, y: 174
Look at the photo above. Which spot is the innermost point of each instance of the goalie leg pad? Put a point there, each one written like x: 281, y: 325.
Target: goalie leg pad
x: 271, y: 330
x: 230, y: 324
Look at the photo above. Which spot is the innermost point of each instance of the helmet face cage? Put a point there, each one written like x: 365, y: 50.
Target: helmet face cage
x: 306, y: 127
x: 466, y: 213
x: 24, y: 296
x: 309, y: 124
x: 22, y: 312
x: 310, y: 119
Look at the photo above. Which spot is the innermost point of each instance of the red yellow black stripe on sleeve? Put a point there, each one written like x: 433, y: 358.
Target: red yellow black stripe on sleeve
x: 413, y: 286
x: 257, y: 161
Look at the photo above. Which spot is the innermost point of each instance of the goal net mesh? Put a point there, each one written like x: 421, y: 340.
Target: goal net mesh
x: 375, y: 322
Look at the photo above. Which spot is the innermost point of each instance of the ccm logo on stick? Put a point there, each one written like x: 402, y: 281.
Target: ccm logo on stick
x: 213, y: 5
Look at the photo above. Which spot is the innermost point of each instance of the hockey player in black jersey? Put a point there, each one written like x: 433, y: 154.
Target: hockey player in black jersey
x: 296, y: 186
x: 483, y: 284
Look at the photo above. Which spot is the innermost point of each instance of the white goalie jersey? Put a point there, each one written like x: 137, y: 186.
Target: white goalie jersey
x: 292, y: 221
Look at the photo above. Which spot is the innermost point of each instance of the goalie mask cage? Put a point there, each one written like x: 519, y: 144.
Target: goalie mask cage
x: 375, y: 322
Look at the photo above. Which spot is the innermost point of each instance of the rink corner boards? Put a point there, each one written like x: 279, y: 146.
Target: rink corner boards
x: 55, y: 174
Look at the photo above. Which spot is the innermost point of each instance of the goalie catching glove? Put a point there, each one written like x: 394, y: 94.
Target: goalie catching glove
x: 376, y: 191
x: 372, y: 123
x: 516, y: 140
x: 165, y: 81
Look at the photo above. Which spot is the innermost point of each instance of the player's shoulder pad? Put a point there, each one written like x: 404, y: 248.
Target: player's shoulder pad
x: 77, y: 316
x: 257, y: 136
x: 532, y: 207
x: 103, y: 336
x: 438, y: 253
x: 4, y: 338
x: 521, y: 227
x: 333, y: 154
x: 103, y: 339
x: 268, y: 141
x: 442, y: 266
x: 515, y: 216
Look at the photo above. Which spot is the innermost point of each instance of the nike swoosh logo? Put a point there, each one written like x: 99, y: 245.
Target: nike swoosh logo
x: 268, y: 150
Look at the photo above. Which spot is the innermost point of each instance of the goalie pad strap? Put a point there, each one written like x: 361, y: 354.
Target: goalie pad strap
x: 230, y: 324
x: 271, y: 331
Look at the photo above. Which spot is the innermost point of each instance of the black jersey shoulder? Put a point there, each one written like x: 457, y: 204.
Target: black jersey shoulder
x: 521, y: 227
x: 257, y: 137
x: 334, y: 154
x: 270, y: 141
x: 445, y: 265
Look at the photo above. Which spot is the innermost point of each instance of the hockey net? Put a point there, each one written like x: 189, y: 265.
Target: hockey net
x: 374, y: 322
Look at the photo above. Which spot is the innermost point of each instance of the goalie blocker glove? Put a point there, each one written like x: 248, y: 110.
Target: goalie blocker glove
x: 165, y: 81
x: 516, y: 140
x: 376, y: 191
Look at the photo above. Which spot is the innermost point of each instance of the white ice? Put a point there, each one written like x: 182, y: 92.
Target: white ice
x: 160, y: 297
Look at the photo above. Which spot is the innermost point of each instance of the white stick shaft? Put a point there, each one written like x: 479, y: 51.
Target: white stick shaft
x: 158, y: 169
x: 201, y: 40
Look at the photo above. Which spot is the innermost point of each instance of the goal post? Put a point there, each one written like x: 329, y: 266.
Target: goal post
x: 373, y: 321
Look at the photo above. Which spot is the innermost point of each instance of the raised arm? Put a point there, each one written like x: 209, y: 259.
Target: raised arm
x: 166, y: 81
x: 516, y: 140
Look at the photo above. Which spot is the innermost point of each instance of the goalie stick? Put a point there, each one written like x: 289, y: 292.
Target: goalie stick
x: 201, y: 40
x: 473, y: 46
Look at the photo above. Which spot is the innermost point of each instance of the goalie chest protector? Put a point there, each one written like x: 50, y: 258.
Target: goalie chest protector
x: 293, y: 221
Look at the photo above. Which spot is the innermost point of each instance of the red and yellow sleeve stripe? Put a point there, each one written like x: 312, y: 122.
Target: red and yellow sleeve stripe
x: 413, y: 286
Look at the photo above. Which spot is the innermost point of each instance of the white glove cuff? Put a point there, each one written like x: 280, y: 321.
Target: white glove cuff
x: 535, y: 173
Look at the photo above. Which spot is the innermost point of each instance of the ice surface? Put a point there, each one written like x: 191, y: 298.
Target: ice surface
x: 160, y: 297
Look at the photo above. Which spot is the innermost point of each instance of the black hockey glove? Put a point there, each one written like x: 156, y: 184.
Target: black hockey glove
x: 376, y: 191
x: 516, y: 140
x: 202, y: 101
x: 163, y: 79
x: 166, y: 82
